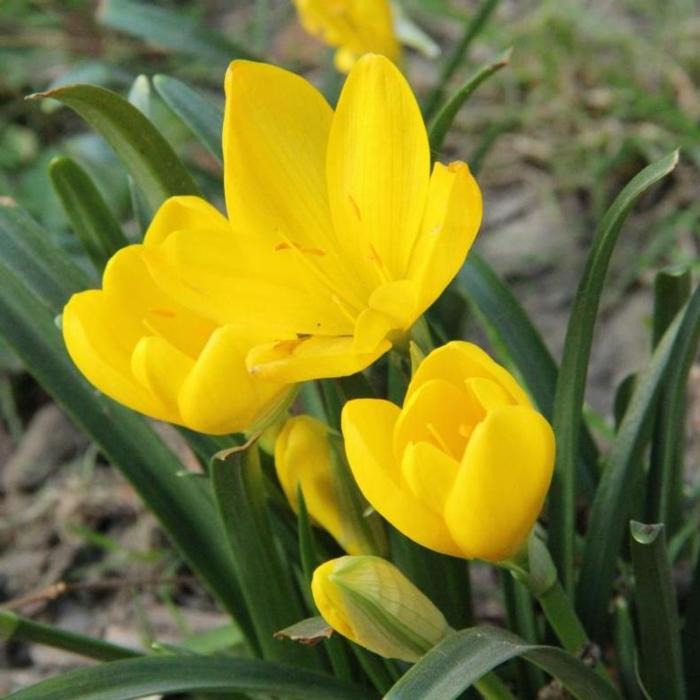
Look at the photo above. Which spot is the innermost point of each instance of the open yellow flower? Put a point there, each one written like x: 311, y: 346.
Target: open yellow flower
x: 345, y: 238
x: 145, y: 349
x: 355, y: 27
x: 464, y: 467
x: 337, y: 240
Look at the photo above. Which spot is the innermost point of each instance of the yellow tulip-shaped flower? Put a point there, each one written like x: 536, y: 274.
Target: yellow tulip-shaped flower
x: 304, y: 459
x: 369, y: 601
x: 144, y: 348
x: 355, y: 27
x: 463, y: 468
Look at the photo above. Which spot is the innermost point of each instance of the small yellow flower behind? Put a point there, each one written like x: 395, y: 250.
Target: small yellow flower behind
x: 369, y: 601
x: 355, y: 27
x: 304, y: 457
x: 464, y: 467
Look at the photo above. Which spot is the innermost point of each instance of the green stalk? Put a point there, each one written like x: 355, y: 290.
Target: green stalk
x: 471, y: 31
x: 14, y: 627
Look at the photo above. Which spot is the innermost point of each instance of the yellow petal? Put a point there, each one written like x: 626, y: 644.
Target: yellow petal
x: 219, y: 395
x: 161, y: 368
x: 502, y: 483
x: 450, y: 224
x: 368, y: 425
x: 182, y: 213
x: 371, y: 328
x: 378, y: 170
x: 458, y: 361
x: 439, y: 413
x: 397, y: 300
x: 240, y: 279
x: 430, y: 474
x: 275, y: 138
x: 302, y: 359
x: 99, y: 338
x: 303, y: 458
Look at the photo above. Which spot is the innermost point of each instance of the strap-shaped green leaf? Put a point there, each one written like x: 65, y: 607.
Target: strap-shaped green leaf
x: 204, y: 118
x: 443, y: 120
x: 138, y: 678
x: 28, y: 251
x: 611, y: 507
x: 472, y: 28
x: 35, y: 281
x: 571, y: 383
x: 460, y: 660
x: 266, y: 582
x: 93, y: 223
x: 14, y: 627
x: 149, y: 158
x: 171, y: 30
x: 661, y: 663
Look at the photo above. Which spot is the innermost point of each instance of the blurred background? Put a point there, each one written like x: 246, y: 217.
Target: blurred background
x: 595, y: 90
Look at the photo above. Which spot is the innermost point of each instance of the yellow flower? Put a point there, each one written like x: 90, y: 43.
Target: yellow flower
x: 345, y: 238
x: 337, y: 240
x: 304, y: 458
x: 356, y: 27
x: 369, y: 601
x: 463, y: 468
x: 142, y: 347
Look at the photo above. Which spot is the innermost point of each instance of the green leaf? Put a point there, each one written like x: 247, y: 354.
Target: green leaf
x: 138, y: 678
x: 460, y: 660
x: 661, y: 664
x: 568, y: 402
x: 171, y: 30
x: 611, y: 507
x: 204, y: 118
x: 35, y: 282
x: 149, y: 158
x: 14, y: 627
x: 26, y: 249
x: 266, y: 581
x: 665, y: 480
x: 472, y: 28
x: 521, y: 619
x: 93, y: 223
x: 520, y: 344
x: 626, y: 650
x: 446, y: 116
x: 691, y: 636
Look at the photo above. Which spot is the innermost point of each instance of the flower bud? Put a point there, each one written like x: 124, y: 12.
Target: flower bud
x: 306, y: 459
x: 369, y: 601
x: 464, y: 466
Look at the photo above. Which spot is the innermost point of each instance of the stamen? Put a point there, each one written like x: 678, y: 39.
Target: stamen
x: 439, y: 439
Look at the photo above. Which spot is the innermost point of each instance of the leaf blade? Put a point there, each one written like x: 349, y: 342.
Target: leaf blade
x: 463, y: 658
x: 137, y: 678
x: 143, y: 150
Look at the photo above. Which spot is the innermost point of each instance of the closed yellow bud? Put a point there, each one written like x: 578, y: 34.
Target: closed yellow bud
x: 369, y: 601
x: 464, y: 466
x: 306, y: 459
x: 354, y: 27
